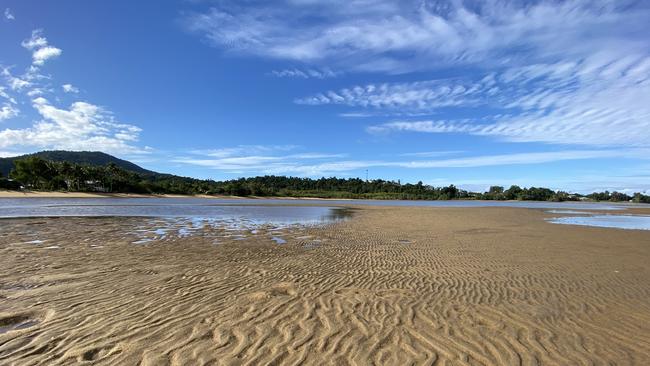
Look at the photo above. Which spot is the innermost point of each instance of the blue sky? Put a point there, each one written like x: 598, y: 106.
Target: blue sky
x: 474, y: 93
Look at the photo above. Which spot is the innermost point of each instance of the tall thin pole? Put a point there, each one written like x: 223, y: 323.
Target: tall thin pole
x: 366, y: 175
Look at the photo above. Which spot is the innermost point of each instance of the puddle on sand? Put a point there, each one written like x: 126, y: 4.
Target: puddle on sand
x: 254, y: 211
x: 628, y: 222
x: 17, y: 322
x: 278, y: 240
x: 312, y: 244
x: 232, y: 229
x: 569, y: 212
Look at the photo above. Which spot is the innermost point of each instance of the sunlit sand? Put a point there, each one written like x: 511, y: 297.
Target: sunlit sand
x: 480, y: 286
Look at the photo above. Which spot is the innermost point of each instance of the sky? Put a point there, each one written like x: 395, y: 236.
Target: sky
x: 471, y: 93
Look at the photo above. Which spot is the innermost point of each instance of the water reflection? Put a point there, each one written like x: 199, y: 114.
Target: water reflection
x: 568, y: 212
x: 197, y: 211
x: 220, y: 229
x: 629, y: 222
x: 21, y: 207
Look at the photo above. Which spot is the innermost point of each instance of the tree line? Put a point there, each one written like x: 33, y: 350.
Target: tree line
x: 39, y: 174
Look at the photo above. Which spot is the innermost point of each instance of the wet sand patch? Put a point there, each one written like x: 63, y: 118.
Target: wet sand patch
x: 529, y: 292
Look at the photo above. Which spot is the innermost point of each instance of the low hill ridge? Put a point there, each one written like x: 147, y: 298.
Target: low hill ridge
x: 95, y: 158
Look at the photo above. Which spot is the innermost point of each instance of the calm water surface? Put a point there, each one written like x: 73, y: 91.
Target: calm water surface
x: 257, y: 213
x: 182, y: 204
x: 277, y: 211
x: 629, y: 222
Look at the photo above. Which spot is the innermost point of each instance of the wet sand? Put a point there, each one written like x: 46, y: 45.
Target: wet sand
x: 444, y: 286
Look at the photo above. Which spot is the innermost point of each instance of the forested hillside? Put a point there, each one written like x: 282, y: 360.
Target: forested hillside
x: 95, y: 158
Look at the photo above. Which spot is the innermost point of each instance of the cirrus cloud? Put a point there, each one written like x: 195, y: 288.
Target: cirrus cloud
x: 8, y: 14
x: 400, y: 36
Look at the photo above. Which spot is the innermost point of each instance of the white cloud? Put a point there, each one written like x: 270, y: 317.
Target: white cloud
x: 43, y: 54
x: 418, y: 95
x: 5, y: 95
x: 14, y: 83
x: 526, y: 158
x: 584, y: 183
x: 313, y: 164
x: 9, y: 154
x: 398, y: 36
x: 69, y: 88
x: 83, y: 126
x: 244, y: 150
x: 599, y: 100
x: 567, y: 72
x: 41, y: 50
x: 432, y: 154
x: 324, y: 73
x: 316, y: 156
x: 36, y: 41
x: 9, y: 15
x: 8, y: 111
x: 267, y: 159
x: 422, y: 126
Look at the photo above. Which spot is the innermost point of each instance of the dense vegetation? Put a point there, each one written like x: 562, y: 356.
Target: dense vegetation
x: 97, y: 158
x: 35, y: 173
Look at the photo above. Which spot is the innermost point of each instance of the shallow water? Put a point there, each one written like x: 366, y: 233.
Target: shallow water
x: 568, y: 212
x: 248, y: 214
x: 278, y: 240
x: 629, y: 222
x: 219, y: 230
x: 206, y: 207
x: 198, y: 211
x: 16, y: 323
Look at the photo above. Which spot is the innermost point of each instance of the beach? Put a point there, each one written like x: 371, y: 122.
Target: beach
x: 391, y: 285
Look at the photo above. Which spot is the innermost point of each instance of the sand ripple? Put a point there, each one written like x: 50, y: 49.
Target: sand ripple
x: 493, y: 286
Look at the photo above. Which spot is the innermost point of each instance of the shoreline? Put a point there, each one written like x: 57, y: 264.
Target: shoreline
x: 55, y: 194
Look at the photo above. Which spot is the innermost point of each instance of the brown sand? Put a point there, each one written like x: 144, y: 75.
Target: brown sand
x: 395, y: 286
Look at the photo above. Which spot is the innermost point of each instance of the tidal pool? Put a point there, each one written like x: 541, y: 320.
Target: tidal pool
x: 568, y: 212
x: 155, y: 206
x: 198, y: 211
x: 628, y: 222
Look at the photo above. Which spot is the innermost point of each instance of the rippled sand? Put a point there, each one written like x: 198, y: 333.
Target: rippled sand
x: 447, y: 286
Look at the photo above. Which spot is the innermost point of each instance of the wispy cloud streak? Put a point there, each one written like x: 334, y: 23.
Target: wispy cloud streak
x: 399, y: 36
x: 8, y: 14
x: 313, y: 164
x: 296, y: 73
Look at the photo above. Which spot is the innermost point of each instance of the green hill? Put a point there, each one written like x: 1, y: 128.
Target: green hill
x: 95, y: 158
